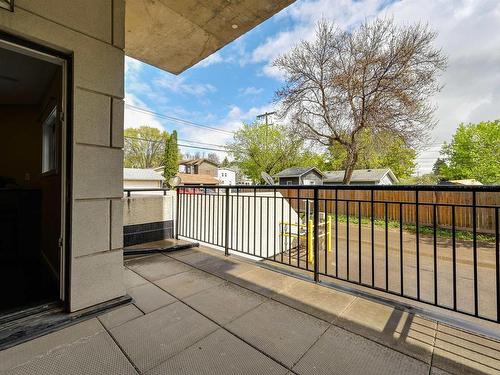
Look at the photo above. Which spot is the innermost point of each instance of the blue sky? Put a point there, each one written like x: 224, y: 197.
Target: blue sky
x: 237, y: 83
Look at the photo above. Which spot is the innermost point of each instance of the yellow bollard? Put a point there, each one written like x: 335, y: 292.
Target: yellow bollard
x: 310, y: 241
x: 329, y: 233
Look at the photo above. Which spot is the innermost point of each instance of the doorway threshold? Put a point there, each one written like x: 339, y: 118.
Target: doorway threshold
x: 34, y: 322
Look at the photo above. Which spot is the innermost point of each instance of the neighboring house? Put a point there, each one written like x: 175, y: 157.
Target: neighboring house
x: 244, y: 180
x: 300, y: 176
x: 241, y: 178
x: 226, y: 176
x: 196, y: 179
x: 198, y: 166
x: 142, y: 178
x: 363, y: 177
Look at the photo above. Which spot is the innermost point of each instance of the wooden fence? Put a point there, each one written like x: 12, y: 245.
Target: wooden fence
x: 403, y: 202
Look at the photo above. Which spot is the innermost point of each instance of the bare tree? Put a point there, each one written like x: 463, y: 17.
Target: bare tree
x: 213, y: 157
x: 374, y: 79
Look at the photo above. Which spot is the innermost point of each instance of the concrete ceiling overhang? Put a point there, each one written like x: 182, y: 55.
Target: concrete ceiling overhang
x: 173, y: 35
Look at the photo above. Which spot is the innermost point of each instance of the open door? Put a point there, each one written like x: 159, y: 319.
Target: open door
x: 32, y: 176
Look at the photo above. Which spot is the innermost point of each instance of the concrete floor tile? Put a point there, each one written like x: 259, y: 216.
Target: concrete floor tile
x: 224, y: 302
x: 278, y: 330
x: 156, y: 267
x: 118, y: 316
x: 227, y: 268
x: 387, y: 325
x: 264, y: 281
x: 153, y: 338
x: 132, y: 279
x: 181, y: 253
x: 212, y: 253
x: 457, y: 351
x: 317, y: 300
x: 344, y: 353
x: 438, y: 371
x: 196, y: 257
x: 149, y: 297
x: 84, y: 348
x: 219, y: 353
x: 188, y: 283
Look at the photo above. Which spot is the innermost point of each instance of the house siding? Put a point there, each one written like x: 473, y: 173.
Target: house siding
x: 207, y: 168
x: 312, y: 176
x: 289, y: 181
x: 93, y: 32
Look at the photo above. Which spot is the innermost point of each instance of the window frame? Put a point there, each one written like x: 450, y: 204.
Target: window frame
x: 49, y: 119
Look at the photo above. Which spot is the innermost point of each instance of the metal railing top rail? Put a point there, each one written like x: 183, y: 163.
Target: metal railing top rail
x: 430, y: 252
x: 464, y: 188
x: 138, y: 190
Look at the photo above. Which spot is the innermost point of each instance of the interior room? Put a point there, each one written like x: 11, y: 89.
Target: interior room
x: 31, y: 88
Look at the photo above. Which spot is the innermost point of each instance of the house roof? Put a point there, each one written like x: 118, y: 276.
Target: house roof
x: 227, y: 169
x: 197, y: 162
x: 174, y: 35
x: 141, y: 174
x: 197, y: 179
x: 297, y: 171
x: 361, y: 175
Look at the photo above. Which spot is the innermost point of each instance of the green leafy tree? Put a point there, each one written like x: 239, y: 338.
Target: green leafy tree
x: 438, y: 166
x: 258, y: 148
x: 171, y: 156
x: 474, y: 152
x: 387, y: 150
x: 425, y: 179
x: 225, y: 163
x: 144, y: 147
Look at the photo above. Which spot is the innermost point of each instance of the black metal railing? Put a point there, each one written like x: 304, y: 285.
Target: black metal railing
x: 432, y: 244
x: 129, y: 191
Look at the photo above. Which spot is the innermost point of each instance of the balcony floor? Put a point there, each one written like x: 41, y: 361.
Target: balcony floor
x: 198, y: 312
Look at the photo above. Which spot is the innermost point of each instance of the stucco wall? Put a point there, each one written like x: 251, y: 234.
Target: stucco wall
x: 148, y: 217
x: 93, y: 32
x: 148, y: 208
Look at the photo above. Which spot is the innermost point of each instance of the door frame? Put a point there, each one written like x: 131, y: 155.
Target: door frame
x: 65, y: 61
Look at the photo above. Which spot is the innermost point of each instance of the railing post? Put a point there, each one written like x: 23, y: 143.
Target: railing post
x: 316, y: 235
x: 226, y: 225
x: 177, y: 215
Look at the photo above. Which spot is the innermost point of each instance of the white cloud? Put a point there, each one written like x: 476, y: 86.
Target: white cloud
x: 135, y: 118
x: 231, y: 122
x: 214, y: 58
x: 132, y: 66
x: 467, y: 33
x: 251, y: 91
x: 180, y: 85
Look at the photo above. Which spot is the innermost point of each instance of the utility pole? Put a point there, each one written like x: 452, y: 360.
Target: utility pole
x: 265, y: 115
x: 260, y: 117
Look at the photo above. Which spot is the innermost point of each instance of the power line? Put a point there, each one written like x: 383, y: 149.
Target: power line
x: 179, y: 144
x: 175, y: 119
x: 201, y: 143
x: 202, y: 148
